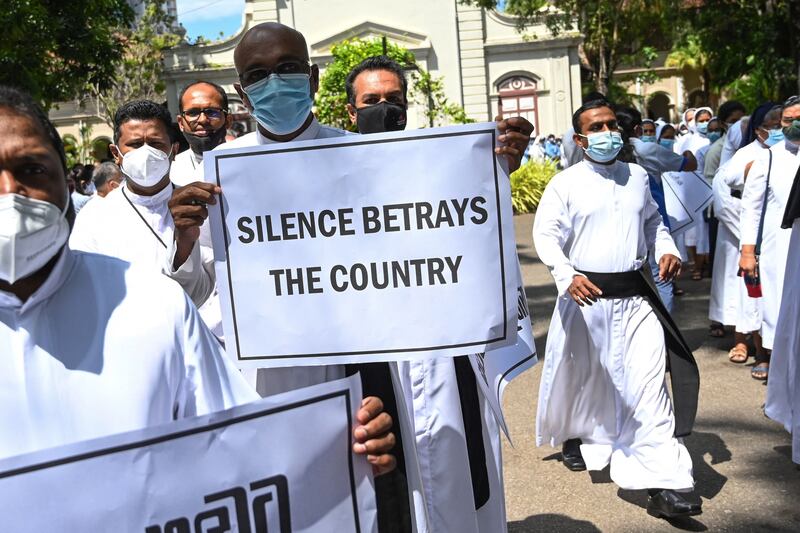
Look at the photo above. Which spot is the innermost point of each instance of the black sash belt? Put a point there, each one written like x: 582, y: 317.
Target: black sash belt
x: 682, y: 367
x: 473, y: 429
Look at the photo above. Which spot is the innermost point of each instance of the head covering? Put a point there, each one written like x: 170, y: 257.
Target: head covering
x: 756, y: 119
x: 660, y: 128
x: 688, y: 123
x: 693, y: 127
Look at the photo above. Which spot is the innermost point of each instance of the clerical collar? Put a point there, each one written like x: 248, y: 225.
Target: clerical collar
x: 161, y: 197
x: 309, y: 133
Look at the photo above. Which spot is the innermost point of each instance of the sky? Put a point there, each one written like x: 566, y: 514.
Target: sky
x: 210, y: 17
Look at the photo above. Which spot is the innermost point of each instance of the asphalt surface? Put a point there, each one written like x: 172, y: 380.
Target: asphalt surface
x: 742, y: 460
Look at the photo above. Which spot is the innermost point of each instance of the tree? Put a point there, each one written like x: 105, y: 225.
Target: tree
x: 424, y: 88
x: 750, y: 47
x: 138, y: 73
x: 615, y: 31
x: 53, y: 48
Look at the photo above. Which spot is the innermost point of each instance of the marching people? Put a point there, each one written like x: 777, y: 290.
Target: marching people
x: 143, y: 365
x: 656, y: 160
x: 603, y: 394
x: 452, y: 421
x: 729, y: 298
x: 764, y: 243
x: 783, y: 396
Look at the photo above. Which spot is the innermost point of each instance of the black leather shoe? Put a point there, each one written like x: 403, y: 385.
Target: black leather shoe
x: 571, y: 455
x: 667, y: 503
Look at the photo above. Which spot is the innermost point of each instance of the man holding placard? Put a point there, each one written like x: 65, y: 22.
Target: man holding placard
x: 453, y: 425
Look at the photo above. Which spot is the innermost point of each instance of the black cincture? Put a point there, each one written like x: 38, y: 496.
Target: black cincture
x: 683, y: 371
x: 142, y: 218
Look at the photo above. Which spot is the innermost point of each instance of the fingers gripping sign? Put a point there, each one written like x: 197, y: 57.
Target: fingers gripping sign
x: 583, y: 291
x: 373, y: 437
x: 515, y: 134
x: 189, y: 210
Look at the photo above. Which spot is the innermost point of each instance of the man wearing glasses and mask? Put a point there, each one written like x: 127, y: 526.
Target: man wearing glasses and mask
x: 204, y: 120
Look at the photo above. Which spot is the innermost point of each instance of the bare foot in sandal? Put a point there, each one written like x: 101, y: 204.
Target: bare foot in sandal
x: 760, y: 371
x: 738, y: 354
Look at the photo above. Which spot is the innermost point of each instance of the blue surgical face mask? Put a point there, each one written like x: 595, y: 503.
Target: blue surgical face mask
x: 775, y: 136
x: 667, y: 143
x: 714, y: 136
x: 648, y: 138
x: 603, y: 145
x: 281, y: 103
x: 702, y: 128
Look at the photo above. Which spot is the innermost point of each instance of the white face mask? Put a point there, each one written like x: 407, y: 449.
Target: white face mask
x: 145, y: 166
x: 31, y: 233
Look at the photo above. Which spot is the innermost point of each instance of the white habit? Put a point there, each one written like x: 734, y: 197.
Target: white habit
x: 104, y: 347
x: 603, y: 379
x: 775, y: 242
x: 783, y: 394
x: 184, y: 168
x: 726, y: 286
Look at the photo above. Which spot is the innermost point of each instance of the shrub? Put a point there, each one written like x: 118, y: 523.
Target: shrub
x: 528, y: 183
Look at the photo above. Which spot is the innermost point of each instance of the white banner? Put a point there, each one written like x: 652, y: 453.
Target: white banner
x: 282, y: 464
x: 686, y: 194
x: 495, y: 369
x: 364, y: 248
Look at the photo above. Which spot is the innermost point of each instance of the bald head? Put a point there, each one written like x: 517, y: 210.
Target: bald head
x: 271, y: 43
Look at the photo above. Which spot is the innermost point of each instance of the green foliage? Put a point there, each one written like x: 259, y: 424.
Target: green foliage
x: 53, y: 48
x: 528, y: 183
x: 615, y: 31
x: 331, y: 97
x: 138, y: 73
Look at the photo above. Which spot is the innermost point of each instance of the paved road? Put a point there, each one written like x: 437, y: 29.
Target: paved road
x: 742, y: 463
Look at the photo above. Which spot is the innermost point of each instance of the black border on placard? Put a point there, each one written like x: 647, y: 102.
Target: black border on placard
x: 239, y: 356
x: 211, y: 427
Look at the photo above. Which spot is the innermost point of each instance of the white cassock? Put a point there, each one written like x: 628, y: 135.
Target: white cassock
x: 105, y: 347
x: 139, y: 230
x: 729, y: 303
x: 732, y: 140
x: 775, y: 241
x: 185, y: 169
x: 783, y: 395
x: 603, y: 379
x: 431, y: 396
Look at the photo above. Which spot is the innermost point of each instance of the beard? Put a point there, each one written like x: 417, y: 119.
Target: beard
x: 200, y: 144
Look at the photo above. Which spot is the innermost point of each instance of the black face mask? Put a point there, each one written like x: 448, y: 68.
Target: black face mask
x: 383, y: 116
x: 204, y: 144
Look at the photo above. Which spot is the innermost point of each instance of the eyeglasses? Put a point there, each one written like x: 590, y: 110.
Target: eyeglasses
x: 193, y: 114
x: 288, y: 67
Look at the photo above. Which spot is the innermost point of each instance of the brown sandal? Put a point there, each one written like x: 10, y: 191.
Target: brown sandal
x: 738, y: 355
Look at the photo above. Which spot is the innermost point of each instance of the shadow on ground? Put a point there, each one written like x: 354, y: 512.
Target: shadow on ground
x: 551, y: 522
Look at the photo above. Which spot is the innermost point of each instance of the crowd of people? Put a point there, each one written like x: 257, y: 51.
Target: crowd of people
x: 602, y: 228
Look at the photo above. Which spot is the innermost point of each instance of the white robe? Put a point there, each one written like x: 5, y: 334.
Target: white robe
x: 783, y: 392
x: 726, y: 286
x: 697, y: 234
x: 775, y: 242
x: 732, y: 174
x: 183, y: 170
x: 603, y: 378
x: 139, y: 230
x: 89, y: 354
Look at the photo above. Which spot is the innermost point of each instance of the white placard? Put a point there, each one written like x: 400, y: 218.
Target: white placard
x: 364, y: 248
x: 495, y: 369
x: 686, y: 194
x: 281, y: 464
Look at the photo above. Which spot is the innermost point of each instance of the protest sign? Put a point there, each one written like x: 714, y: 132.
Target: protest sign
x: 686, y: 194
x: 281, y: 464
x: 364, y: 248
x: 496, y: 368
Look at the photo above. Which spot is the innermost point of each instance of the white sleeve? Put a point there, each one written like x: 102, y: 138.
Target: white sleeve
x: 83, y: 237
x: 551, y: 230
x: 196, y: 275
x: 211, y: 382
x: 755, y: 188
x: 656, y: 234
x: 727, y: 208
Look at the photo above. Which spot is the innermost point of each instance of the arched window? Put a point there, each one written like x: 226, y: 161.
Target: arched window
x: 659, y: 107
x: 517, y: 97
